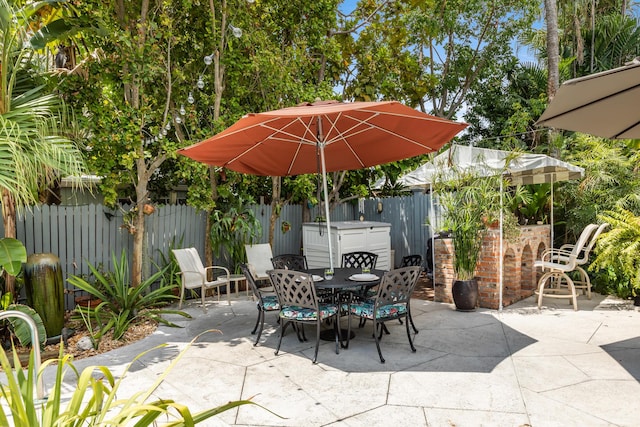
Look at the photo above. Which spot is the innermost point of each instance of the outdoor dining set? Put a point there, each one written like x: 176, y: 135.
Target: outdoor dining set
x: 322, y: 297
x: 314, y: 296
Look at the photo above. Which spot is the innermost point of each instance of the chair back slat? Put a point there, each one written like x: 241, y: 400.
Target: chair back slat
x: 290, y: 262
x: 359, y: 259
x: 294, y: 288
x: 397, y: 286
x: 586, y: 251
x: 411, y: 260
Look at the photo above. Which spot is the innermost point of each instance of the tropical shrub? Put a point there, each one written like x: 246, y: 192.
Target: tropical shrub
x: 123, y: 303
x: 472, y: 203
x: 617, y: 251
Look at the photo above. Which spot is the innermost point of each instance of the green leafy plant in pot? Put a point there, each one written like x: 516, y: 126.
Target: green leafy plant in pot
x: 471, y: 203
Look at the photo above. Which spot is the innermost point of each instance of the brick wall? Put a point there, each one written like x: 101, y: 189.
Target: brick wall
x: 519, y: 277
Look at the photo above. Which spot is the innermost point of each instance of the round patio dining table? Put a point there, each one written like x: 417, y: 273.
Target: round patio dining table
x: 344, y: 280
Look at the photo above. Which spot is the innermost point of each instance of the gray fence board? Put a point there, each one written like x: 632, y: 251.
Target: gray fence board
x: 79, y: 235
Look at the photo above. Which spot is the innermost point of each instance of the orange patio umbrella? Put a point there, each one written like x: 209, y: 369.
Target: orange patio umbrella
x: 324, y: 136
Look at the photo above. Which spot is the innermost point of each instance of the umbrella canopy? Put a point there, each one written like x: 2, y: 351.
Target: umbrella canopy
x: 324, y: 136
x: 603, y: 104
x: 520, y: 168
x: 354, y: 135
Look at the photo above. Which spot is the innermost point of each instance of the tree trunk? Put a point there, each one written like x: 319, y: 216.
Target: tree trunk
x: 276, y: 205
x: 9, y: 221
x: 553, y: 55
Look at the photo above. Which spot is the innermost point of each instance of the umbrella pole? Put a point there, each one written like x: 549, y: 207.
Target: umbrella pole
x: 326, y: 202
x: 432, y: 217
x: 500, y: 261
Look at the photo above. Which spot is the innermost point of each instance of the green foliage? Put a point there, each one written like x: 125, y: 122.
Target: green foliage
x: 93, y: 324
x: 12, y: 255
x: 169, y: 266
x: 122, y: 303
x: 232, y: 227
x: 617, y: 250
x: 20, y: 329
x: 34, y: 149
x: 94, y: 400
x: 611, y: 181
x: 471, y: 203
x: 532, y: 203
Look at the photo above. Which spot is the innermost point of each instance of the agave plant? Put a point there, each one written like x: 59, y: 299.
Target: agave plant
x: 122, y: 303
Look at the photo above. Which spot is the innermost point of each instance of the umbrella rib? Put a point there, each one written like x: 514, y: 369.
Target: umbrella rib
x: 372, y: 126
x: 626, y: 130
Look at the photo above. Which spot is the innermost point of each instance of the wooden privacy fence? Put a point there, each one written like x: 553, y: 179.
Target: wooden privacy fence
x: 80, y: 235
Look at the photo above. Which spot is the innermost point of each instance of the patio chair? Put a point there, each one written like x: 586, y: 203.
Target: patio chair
x: 584, y: 282
x: 299, y: 304
x: 556, y: 264
x: 264, y: 303
x: 259, y: 260
x: 359, y: 259
x: 290, y: 262
x: 411, y: 260
x: 390, y: 303
x: 194, y: 275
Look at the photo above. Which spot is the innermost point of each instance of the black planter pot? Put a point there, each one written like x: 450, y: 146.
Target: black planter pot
x: 636, y: 301
x: 465, y: 294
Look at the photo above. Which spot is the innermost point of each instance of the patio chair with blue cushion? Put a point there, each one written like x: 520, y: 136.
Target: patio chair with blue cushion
x: 299, y: 304
x: 410, y: 261
x: 194, y: 275
x: 391, y: 303
x: 264, y: 302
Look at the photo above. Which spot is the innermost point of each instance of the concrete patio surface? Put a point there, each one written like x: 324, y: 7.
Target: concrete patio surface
x: 517, y: 367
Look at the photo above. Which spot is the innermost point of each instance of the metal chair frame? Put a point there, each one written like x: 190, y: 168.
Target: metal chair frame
x: 259, y: 295
x: 296, y: 291
x: 411, y: 260
x: 584, y: 282
x: 395, y: 288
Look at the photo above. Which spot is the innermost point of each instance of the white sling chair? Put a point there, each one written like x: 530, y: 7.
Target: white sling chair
x: 584, y: 282
x: 259, y: 260
x: 194, y: 275
x: 556, y: 263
